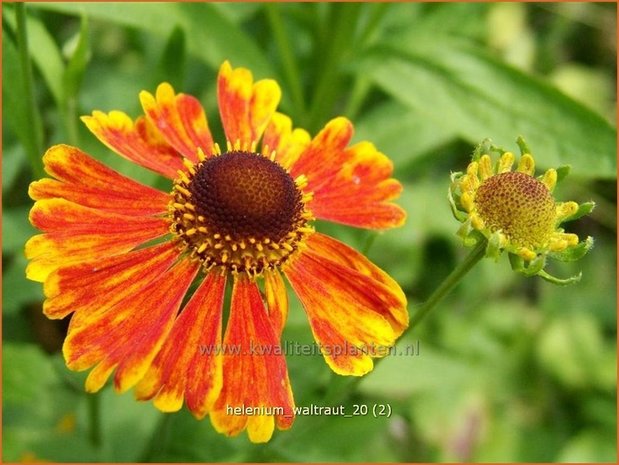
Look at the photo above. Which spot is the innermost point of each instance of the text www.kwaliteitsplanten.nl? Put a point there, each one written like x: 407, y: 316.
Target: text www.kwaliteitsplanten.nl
x: 296, y: 348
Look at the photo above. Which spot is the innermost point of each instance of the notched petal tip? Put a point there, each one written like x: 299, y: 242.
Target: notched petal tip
x: 165, y: 93
x: 225, y: 68
x: 245, y: 107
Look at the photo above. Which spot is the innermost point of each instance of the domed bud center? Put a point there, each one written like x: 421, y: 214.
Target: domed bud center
x: 518, y: 205
x: 245, y: 195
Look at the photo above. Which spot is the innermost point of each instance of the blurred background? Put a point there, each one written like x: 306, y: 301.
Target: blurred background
x: 507, y: 369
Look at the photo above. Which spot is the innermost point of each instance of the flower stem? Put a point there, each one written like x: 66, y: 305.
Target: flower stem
x: 158, y: 439
x: 35, y: 147
x: 291, y: 69
x: 94, y: 417
x: 329, y: 59
x: 449, y: 283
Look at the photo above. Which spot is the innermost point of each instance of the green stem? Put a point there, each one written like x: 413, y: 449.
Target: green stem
x: 360, y: 90
x: 158, y: 439
x: 369, y: 242
x: 362, y: 84
x: 342, y: 22
x: 380, y: 9
x: 35, y: 148
x: 449, y: 283
x: 291, y: 70
x: 71, y: 119
x: 94, y: 417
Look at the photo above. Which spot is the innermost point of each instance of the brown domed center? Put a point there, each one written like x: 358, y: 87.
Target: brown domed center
x: 245, y: 194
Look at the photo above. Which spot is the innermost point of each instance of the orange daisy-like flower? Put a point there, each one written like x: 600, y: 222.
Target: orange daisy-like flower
x: 121, y: 256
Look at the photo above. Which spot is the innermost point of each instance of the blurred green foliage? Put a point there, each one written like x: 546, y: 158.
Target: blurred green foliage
x: 509, y: 369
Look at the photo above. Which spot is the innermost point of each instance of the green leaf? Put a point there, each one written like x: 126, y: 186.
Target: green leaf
x: 13, y: 161
x: 421, y: 371
x: 16, y: 289
x: 571, y: 348
x: 590, y: 446
x: 173, y: 58
x: 335, y: 438
x: 184, y: 441
x: 465, y: 90
x: 79, y: 57
x: 27, y: 374
x: 560, y: 281
x: 16, y: 229
x: 562, y: 172
x: 238, y: 12
x: 214, y: 37
x: 13, y: 94
x: 44, y: 53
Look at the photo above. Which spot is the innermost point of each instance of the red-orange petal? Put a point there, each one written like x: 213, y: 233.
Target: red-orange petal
x: 288, y: 143
x: 355, y: 312
x: 189, y: 365
x: 336, y: 174
x: 338, y: 252
x: 80, y: 286
x: 137, y: 142
x: 76, y: 234
x: 245, y: 107
x: 61, y: 215
x: 180, y: 119
x: 85, y: 181
x: 254, y: 370
x: 276, y: 299
x: 128, y: 335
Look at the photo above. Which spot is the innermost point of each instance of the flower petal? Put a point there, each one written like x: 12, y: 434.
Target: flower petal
x: 324, y: 156
x: 277, y: 299
x: 129, y: 334
x: 338, y: 252
x: 76, y: 234
x: 254, y: 370
x: 337, y: 174
x: 355, y: 312
x: 287, y: 143
x: 189, y: 364
x: 136, y: 142
x: 83, y: 180
x: 245, y: 107
x: 80, y: 287
x: 180, y: 119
